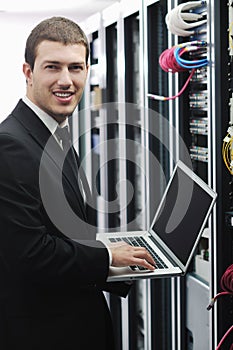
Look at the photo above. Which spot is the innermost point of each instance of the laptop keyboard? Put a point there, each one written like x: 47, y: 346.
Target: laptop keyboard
x: 141, y: 242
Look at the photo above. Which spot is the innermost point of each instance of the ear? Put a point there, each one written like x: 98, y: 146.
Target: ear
x: 27, y: 72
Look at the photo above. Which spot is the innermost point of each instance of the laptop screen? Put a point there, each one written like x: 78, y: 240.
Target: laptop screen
x: 184, y: 210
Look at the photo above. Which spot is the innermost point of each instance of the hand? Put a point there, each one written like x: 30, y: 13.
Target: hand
x: 124, y: 254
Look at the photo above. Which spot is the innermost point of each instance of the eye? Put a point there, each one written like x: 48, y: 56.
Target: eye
x: 51, y: 66
x: 76, y: 67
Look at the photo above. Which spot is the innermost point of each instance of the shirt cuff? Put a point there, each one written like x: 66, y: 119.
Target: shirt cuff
x: 110, y: 256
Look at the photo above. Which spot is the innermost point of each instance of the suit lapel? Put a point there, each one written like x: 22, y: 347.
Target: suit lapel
x: 40, y: 133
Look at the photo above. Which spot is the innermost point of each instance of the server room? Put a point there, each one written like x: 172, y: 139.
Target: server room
x: 116, y: 175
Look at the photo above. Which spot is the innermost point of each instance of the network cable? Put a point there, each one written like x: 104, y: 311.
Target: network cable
x: 189, y: 64
x: 170, y: 61
x: 184, y: 23
x: 227, y: 147
x: 227, y: 150
x: 227, y: 287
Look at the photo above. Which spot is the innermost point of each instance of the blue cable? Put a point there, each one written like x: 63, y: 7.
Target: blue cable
x: 189, y: 64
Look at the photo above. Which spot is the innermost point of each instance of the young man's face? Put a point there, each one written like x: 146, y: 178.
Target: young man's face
x: 57, y: 81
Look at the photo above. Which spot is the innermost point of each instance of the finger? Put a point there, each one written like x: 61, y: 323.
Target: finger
x: 143, y: 253
x: 144, y: 263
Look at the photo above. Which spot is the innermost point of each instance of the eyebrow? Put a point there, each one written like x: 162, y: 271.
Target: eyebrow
x: 70, y: 64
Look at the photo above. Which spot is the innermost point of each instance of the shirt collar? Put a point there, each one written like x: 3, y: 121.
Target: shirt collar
x: 48, y: 121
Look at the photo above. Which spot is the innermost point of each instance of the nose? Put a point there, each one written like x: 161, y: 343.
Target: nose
x: 64, y: 79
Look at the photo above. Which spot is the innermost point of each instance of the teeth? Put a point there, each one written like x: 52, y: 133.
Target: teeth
x: 62, y: 94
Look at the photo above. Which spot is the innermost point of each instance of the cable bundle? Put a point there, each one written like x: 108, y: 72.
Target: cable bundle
x: 227, y: 287
x: 186, y: 64
x: 168, y: 61
x: 227, y: 150
x: 171, y: 61
x: 182, y: 23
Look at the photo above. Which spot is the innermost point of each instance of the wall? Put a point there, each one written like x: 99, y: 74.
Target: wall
x: 14, y: 30
x: 12, y: 37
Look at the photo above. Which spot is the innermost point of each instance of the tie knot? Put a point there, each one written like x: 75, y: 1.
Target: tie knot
x: 64, y: 136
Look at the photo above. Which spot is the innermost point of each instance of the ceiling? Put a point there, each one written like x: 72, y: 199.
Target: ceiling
x: 82, y: 8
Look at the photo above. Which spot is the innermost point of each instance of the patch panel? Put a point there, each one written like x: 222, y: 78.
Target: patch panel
x: 199, y: 153
x: 200, y: 75
x: 198, y: 100
x: 198, y: 126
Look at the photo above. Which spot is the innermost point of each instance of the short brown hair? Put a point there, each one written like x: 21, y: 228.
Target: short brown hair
x: 58, y: 29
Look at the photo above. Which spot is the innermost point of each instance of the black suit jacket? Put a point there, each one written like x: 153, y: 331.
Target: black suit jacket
x: 52, y: 270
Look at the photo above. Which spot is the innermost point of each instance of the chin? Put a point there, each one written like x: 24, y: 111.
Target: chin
x: 63, y: 114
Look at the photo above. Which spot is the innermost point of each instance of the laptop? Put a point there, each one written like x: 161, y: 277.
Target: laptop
x: 176, y: 229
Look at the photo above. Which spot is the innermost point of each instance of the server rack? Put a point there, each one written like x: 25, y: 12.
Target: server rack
x: 194, y: 124
x: 128, y: 39
x: 223, y: 250
x: 157, y: 82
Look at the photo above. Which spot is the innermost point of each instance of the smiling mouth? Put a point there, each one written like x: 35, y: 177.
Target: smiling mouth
x: 63, y: 94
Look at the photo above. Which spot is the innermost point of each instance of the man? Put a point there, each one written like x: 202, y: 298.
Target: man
x: 52, y: 270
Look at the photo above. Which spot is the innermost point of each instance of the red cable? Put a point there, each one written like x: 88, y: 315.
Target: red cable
x: 183, y: 88
x: 224, y: 337
x: 227, y: 286
x: 169, y: 64
x: 227, y: 280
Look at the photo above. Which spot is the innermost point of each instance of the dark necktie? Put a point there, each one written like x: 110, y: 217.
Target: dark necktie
x: 64, y: 136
